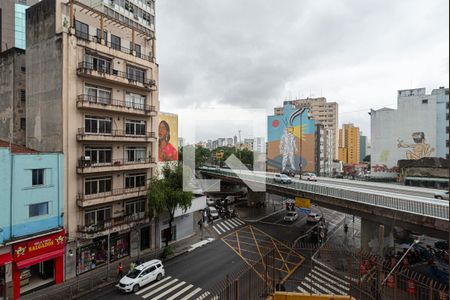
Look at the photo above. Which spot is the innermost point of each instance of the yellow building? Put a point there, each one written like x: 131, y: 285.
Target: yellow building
x: 348, y: 151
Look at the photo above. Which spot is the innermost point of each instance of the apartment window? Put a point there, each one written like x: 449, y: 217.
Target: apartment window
x: 98, y: 94
x: 97, y: 63
x: 23, y: 69
x: 22, y: 95
x: 97, y: 216
x: 135, y: 180
x: 135, y: 207
x: 115, y: 42
x: 135, y: 127
x: 105, y: 36
x: 39, y: 209
x: 447, y: 143
x: 37, y: 177
x: 82, y: 30
x: 134, y: 154
x: 99, y: 155
x: 135, y: 74
x: 23, y: 123
x: 424, y: 101
x: 447, y: 116
x: 97, y: 185
x: 447, y: 130
x: 137, y: 48
x: 135, y: 101
x: 98, y: 125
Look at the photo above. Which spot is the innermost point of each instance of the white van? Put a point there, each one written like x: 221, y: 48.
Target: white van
x: 141, y: 275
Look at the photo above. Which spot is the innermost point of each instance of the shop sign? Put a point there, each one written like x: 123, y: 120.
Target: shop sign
x: 38, y: 246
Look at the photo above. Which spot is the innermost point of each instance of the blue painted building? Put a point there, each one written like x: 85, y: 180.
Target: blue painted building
x: 31, y: 198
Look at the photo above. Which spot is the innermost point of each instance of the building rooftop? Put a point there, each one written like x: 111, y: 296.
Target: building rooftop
x: 17, y: 149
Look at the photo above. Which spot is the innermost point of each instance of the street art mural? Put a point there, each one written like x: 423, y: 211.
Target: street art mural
x: 291, y: 141
x: 419, y: 149
x: 168, y: 137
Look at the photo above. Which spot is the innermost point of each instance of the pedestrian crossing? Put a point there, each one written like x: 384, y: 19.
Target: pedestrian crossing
x: 170, y: 288
x: 224, y: 226
x: 321, y: 281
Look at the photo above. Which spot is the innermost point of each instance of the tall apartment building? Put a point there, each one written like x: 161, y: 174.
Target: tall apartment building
x: 326, y: 113
x: 349, y: 144
x: 362, y: 146
x: 92, y: 93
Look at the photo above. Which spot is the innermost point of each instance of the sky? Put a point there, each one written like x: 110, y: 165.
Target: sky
x: 241, y: 55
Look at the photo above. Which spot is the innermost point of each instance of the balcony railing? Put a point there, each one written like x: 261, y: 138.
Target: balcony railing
x: 114, y: 192
x: 86, y: 67
x: 82, y: 163
x: 116, y: 103
x: 115, y: 133
x: 111, y: 223
x: 96, y: 39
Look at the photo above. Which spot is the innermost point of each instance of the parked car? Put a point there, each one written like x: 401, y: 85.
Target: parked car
x: 441, y: 195
x: 309, y: 176
x: 291, y: 216
x: 314, y: 218
x: 282, y: 178
x: 141, y: 276
x: 212, y: 212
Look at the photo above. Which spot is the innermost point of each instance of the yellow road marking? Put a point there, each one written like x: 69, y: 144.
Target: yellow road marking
x: 237, y: 239
x: 257, y: 246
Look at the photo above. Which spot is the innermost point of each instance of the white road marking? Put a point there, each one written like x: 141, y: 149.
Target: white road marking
x: 192, y: 294
x: 331, y: 275
x: 221, y: 228
x: 169, y: 290
x: 230, y: 224
x: 319, y: 286
x: 160, y: 288
x: 180, y: 292
x: 217, y: 230
x: 234, y: 222
x: 335, y: 285
x: 240, y: 221
x: 302, y: 290
x: 203, y: 296
x: 311, y: 288
x: 153, y: 285
x: 224, y: 225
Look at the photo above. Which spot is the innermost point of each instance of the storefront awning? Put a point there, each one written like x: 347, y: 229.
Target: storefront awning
x: 5, y: 258
x: 40, y: 258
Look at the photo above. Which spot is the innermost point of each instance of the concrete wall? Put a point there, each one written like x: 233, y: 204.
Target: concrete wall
x: 442, y: 100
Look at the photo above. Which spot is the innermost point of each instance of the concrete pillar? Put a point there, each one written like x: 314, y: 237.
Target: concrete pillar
x: 255, y: 197
x: 70, y: 260
x: 370, y: 238
x: 135, y: 241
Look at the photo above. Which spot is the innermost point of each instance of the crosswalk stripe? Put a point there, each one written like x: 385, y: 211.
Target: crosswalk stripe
x: 331, y: 275
x: 335, y: 288
x: 221, y: 228
x: 169, y: 290
x: 203, y: 296
x: 224, y: 225
x: 234, y: 222
x: 239, y: 221
x: 217, y: 230
x: 230, y: 224
x: 321, y: 287
x: 310, y: 288
x: 335, y: 283
x: 180, y: 292
x: 160, y: 288
x: 192, y: 294
x: 302, y: 290
x: 153, y: 285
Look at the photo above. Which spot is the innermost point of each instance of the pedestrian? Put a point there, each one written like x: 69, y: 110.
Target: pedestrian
x: 132, y: 266
x: 119, y: 271
x: 345, y: 228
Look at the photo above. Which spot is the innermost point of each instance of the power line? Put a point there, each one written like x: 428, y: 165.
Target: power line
x: 366, y: 109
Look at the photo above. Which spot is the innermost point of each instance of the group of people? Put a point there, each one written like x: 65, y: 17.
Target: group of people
x: 133, y: 265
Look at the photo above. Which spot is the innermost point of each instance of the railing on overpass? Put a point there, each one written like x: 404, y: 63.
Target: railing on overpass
x: 411, y: 204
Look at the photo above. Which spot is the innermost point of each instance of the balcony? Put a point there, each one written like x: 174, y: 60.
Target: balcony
x: 114, y: 136
x: 113, y: 76
x: 117, y: 224
x: 107, y: 104
x: 116, y: 165
x: 84, y: 200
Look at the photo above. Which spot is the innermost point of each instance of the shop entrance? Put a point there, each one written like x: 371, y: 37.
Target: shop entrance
x: 37, y: 276
x: 145, y: 238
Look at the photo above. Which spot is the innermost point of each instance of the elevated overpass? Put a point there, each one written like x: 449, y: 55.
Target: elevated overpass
x: 395, y: 207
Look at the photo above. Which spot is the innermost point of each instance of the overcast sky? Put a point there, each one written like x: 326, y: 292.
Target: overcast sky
x: 254, y: 54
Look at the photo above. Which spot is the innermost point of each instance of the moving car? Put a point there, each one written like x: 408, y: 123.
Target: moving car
x: 291, y: 216
x: 314, y: 218
x: 212, y: 212
x: 441, y: 195
x: 141, y: 276
x: 309, y: 176
x: 282, y: 178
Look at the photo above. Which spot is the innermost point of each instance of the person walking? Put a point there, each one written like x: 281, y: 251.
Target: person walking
x: 132, y: 266
x: 119, y: 271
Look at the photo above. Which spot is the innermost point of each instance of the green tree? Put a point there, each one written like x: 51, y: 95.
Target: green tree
x: 166, y: 194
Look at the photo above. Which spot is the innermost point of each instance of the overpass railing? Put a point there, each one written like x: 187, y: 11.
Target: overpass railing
x: 426, y: 207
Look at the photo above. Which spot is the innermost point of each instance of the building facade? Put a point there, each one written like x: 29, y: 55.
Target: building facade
x: 31, y: 219
x: 362, y: 146
x: 418, y: 128
x: 348, y: 150
x: 13, y: 96
x: 100, y: 107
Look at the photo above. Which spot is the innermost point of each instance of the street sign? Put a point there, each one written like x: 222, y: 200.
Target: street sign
x: 302, y: 202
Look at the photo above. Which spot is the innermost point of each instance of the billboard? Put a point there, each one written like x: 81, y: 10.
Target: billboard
x: 168, y: 137
x: 291, y: 141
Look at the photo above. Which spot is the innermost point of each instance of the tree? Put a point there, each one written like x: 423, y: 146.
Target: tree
x: 166, y: 194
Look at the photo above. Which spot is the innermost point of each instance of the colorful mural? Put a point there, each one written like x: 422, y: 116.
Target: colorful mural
x: 168, y: 137
x: 419, y: 149
x: 291, y: 142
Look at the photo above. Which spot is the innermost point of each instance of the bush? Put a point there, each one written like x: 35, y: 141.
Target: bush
x: 168, y: 251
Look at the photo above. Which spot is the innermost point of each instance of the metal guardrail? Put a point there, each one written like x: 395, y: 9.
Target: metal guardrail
x: 116, y: 103
x: 116, y: 133
x: 113, y: 192
x: 405, y: 204
x: 115, y: 163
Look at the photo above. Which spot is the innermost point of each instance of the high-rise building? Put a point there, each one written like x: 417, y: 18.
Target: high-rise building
x: 349, y: 144
x: 92, y: 93
x: 326, y: 113
x: 259, y: 145
x: 362, y: 146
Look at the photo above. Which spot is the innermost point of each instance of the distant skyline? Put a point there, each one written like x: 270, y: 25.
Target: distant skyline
x: 355, y: 53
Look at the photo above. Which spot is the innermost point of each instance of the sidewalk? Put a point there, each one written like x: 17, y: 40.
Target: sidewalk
x: 99, y: 278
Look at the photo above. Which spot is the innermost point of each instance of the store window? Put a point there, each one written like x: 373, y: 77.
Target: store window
x: 165, y: 234
x: 93, y: 255
x: 37, y: 210
x: 135, y: 207
x: 135, y: 180
x: 133, y: 127
x: 37, y: 177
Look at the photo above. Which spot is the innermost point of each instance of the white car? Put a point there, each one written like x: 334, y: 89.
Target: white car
x: 210, y: 201
x: 141, y: 276
x: 314, y: 218
x: 291, y: 216
x: 441, y: 195
x: 309, y: 176
x: 212, y: 212
x: 282, y: 178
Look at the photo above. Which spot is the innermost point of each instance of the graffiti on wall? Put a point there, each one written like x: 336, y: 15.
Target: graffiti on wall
x: 417, y: 150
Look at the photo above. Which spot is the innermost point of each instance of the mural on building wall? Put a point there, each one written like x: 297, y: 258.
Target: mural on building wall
x: 419, y: 149
x: 290, y: 141
x: 168, y: 137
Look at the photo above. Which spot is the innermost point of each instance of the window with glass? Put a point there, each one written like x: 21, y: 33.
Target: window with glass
x: 135, y: 74
x: 37, y: 177
x: 99, y: 155
x: 116, y: 42
x: 137, y: 48
x: 98, y: 63
x: 135, y: 180
x: 39, y: 209
x: 98, y: 125
x: 98, y: 94
x: 135, y: 207
x: 82, y: 30
x: 105, y: 36
x: 135, y: 154
x: 97, y: 216
x: 97, y: 185
x: 135, y: 100
x: 133, y: 127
